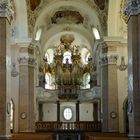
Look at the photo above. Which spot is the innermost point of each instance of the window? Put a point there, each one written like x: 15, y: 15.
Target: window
x: 38, y: 34
x: 67, y: 114
x: 96, y: 33
x: 67, y: 56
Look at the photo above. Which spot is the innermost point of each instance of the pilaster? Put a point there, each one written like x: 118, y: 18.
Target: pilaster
x: 110, y: 121
x: 26, y: 89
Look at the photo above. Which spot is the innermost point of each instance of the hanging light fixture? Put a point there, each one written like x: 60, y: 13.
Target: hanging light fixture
x: 122, y: 66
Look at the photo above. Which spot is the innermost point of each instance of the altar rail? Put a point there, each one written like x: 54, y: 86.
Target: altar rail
x: 93, y: 126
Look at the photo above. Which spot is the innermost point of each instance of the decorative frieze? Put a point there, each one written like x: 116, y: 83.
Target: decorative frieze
x: 111, y: 59
x: 26, y: 60
x: 7, y: 9
x: 132, y: 7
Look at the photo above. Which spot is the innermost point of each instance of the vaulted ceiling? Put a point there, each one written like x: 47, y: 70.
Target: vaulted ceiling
x: 59, y: 17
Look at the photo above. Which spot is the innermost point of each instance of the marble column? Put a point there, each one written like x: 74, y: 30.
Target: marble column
x: 26, y: 89
x: 5, y: 75
x: 132, y: 12
x: 110, y: 121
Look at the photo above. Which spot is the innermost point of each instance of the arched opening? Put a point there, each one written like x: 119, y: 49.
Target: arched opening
x: 125, y: 112
x: 96, y: 109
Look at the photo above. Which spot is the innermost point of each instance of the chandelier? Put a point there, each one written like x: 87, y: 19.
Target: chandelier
x: 67, y: 68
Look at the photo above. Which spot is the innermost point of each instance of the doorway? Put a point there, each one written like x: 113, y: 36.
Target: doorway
x: 68, y: 136
x: 126, y: 121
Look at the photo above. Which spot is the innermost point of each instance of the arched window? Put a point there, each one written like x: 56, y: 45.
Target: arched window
x: 38, y: 34
x: 67, y: 57
x: 67, y: 113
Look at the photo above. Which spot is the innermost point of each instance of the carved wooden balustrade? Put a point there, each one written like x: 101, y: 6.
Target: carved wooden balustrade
x: 68, y: 126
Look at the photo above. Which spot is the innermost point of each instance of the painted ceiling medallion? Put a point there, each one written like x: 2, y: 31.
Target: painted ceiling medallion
x: 67, y: 38
x: 67, y: 16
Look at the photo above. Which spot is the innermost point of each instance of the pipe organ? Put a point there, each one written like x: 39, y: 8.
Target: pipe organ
x: 68, y: 68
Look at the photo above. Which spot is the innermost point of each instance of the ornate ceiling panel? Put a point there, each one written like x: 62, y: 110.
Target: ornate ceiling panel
x: 67, y: 16
x: 36, y: 7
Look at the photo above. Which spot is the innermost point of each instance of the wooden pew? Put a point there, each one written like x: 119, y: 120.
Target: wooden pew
x: 105, y: 136
x: 33, y: 136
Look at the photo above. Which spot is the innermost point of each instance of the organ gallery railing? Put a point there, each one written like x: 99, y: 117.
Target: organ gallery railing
x: 68, y: 126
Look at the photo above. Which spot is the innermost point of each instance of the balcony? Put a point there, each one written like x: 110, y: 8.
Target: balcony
x: 93, y: 126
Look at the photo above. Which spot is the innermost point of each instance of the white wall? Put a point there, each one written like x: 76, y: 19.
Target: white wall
x: 116, y: 26
x: 49, y: 112
x: 86, y: 112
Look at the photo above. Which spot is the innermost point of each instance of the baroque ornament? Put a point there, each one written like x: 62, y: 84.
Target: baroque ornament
x: 111, y: 59
x: 67, y: 16
x: 7, y: 9
x: 124, y: 17
x: 26, y: 60
x: 132, y: 8
x: 67, y: 69
x: 33, y: 15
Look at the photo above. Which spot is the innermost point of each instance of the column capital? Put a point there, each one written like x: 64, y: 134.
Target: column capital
x: 102, y: 46
x: 7, y: 9
x: 131, y: 8
x: 109, y: 59
x: 27, y: 60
